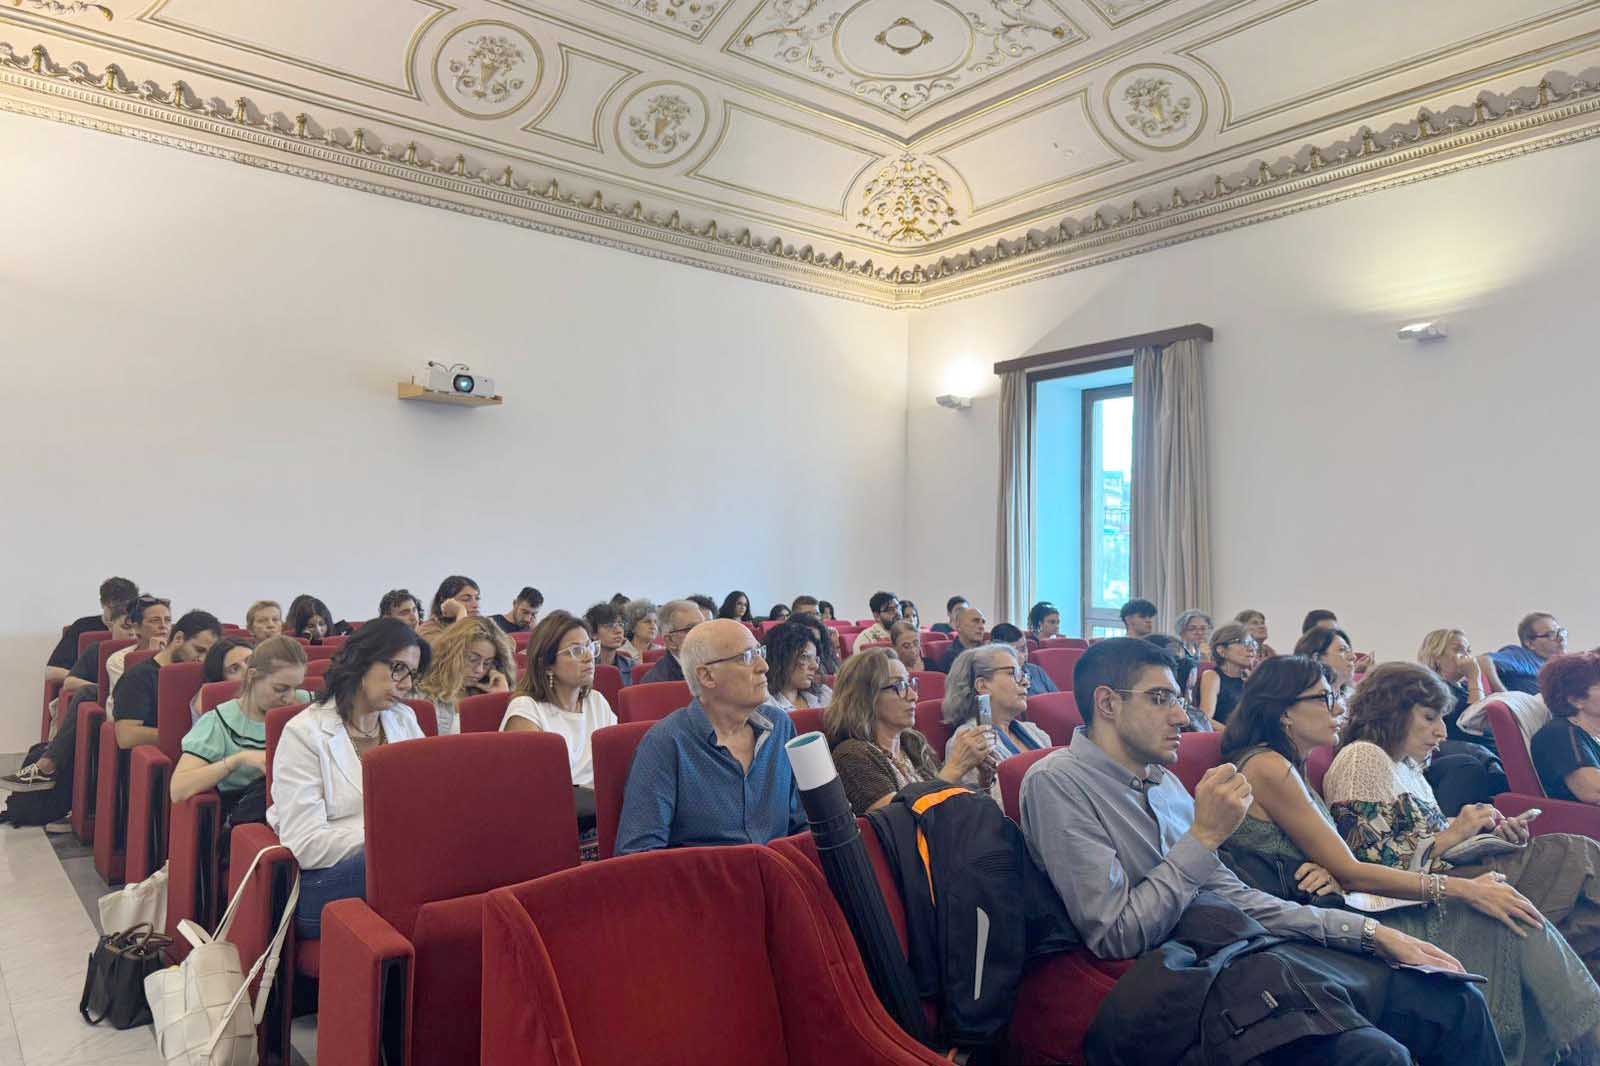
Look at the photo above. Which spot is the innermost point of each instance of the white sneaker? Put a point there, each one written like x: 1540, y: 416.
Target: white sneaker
x: 58, y: 828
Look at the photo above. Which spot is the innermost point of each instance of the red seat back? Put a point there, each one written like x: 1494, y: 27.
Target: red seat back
x: 428, y: 719
x: 521, y: 639
x: 1197, y: 753
x: 653, y: 702
x: 320, y: 651
x: 317, y: 667
x: 930, y: 723
x: 334, y: 642
x: 176, y: 685
x: 1520, y: 771
x: 107, y: 649
x: 806, y: 720
x: 614, y: 746
x: 1064, y: 642
x: 930, y: 684
x: 1011, y: 773
x: 1056, y: 713
x: 94, y: 636
x: 1317, y: 764
x: 214, y: 692
x: 654, y: 655
x: 482, y: 714
x: 608, y: 682
x: 1058, y: 663
x: 507, y: 816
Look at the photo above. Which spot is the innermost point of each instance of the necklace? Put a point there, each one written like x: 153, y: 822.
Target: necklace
x: 357, y: 734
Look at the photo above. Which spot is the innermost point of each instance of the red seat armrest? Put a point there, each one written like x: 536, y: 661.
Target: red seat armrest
x: 86, y: 748
x: 371, y: 965
x: 194, y: 849
x: 256, y: 918
x: 110, y: 805
x: 1560, y: 816
x: 149, y: 781
x: 52, y: 689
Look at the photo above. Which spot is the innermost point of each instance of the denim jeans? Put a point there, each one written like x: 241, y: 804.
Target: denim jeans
x: 345, y: 879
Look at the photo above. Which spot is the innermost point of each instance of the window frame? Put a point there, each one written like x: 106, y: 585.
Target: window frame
x: 1093, y: 616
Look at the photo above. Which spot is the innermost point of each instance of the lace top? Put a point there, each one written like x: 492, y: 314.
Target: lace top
x: 1384, y: 808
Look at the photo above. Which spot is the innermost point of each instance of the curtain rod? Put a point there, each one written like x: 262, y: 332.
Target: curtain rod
x: 1158, y: 339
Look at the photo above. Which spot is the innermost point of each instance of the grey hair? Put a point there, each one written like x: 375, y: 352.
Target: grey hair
x: 961, y: 685
x: 1189, y: 616
x: 671, y: 609
x: 694, y: 654
x: 634, y: 612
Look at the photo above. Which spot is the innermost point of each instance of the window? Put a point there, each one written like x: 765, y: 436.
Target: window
x: 1107, y: 495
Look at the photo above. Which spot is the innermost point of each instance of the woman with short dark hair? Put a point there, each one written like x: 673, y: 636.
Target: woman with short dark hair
x: 1566, y: 751
x: 606, y: 626
x: 457, y: 597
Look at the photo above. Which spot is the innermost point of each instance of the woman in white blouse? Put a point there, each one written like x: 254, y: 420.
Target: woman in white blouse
x: 316, y: 771
x: 556, y: 695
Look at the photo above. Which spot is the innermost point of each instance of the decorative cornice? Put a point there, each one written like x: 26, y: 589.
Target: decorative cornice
x: 1315, y: 175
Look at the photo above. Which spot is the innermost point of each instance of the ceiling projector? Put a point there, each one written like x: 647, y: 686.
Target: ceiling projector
x: 459, y: 379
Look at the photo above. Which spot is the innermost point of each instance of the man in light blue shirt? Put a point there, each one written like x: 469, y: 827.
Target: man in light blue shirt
x: 714, y: 772
x: 1540, y: 638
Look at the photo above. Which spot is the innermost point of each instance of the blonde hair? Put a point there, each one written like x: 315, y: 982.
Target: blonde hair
x: 1436, y: 646
x: 446, y: 678
x: 257, y: 607
x: 855, y: 696
x: 275, y: 652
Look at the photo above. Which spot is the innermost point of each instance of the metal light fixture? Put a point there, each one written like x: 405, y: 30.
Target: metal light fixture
x: 1422, y: 331
x: 954, y: 402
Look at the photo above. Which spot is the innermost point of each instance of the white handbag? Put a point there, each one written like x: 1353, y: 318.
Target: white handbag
x: 197, y: 1006
x: 142, y: 901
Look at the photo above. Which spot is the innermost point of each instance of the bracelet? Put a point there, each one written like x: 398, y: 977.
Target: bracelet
x: 1439, y: 885
x: 1369, y: 936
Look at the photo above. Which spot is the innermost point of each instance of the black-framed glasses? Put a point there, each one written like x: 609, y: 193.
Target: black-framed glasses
x: 1018, y: 674
x: 400, y: 672
x: 901, y: 685
x: 1161, y: 697
x: 744, y: 658
x: 1554, y: 634
x: 681, y: 630
x: 1328, y: 699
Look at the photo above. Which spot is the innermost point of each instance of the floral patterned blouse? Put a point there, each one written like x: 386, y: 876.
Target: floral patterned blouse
x: 1384, y: 808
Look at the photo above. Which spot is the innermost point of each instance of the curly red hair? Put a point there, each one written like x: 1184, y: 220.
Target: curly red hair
x: 1566, y: 678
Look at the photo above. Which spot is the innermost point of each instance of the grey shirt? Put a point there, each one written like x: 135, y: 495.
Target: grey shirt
x: 1119, y: 851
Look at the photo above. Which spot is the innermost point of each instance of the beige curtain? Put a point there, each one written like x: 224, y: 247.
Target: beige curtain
x: 1171, y: 523
x: 1013, y: 557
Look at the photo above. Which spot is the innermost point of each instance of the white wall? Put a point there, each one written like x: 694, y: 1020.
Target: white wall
x: 1406, y: 487
x: 200, y: 362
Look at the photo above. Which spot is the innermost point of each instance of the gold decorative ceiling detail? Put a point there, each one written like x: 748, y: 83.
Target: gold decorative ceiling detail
x: 65, y: 8
x: 907, y: 202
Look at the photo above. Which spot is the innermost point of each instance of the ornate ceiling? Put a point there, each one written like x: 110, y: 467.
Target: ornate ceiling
x: 902, y: 152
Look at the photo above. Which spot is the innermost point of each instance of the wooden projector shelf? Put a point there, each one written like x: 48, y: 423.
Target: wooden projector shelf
x: 410, y: 390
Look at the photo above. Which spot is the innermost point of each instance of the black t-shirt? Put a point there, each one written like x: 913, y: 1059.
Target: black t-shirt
x: 1558, y: 749
x: 66, y: 652
x: 507, y: 625
x: 87, y: 668
x: 135, y: 694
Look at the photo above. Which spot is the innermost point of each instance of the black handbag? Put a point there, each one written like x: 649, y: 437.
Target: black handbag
x: 114, y: 988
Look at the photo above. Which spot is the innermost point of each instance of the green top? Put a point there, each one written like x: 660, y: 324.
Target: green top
x: 226, y: 730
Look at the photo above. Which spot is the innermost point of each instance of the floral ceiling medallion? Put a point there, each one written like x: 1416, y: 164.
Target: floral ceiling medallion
x: 904, y: 30
x: 1157, y: 106
x: 907, y: 202
x: 487, y: 69
x: 661, y: 123
x: 691, y: 18
x: 66, y: 8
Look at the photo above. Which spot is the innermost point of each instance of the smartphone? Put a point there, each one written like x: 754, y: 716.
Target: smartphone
x: 985, y: 715
x: 1529, y: 815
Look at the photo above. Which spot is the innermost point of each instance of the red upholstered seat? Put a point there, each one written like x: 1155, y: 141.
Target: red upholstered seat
x: 930, y: 684
x: 1056, y: 713
x: 112, y: 765
x: 93, y: 636
x: 1527, y: 791
x: 772, y: 986
x: 215, y: 693
x: 806, y: 719
x: 654, y: 655
x: 316, y: 668
x: 608, y: 682
x: 1520, y: 772
x: 614, y: 746
x: 482, y: 714
x: 507, y: 817
x: 1317, y: 764
x: 653, y: 702
x: 150, y: 769
x: 320, y: 651
x: 1064, y: 642
x: 1011, y: 773
x: 1197, y: 753
x: 930, y: 723
x: 1058, y: 663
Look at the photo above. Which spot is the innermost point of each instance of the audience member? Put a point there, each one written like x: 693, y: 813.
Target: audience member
x: 870, y: 727
x: 524, y: 613
x: 224, y: 662
x: 825, y: 611
x: 1186, y: 671
x: 1138, y: 618
x: 1540, y: 638
x: 115, y: 593
x: 1256, y: 624
x: 400, y: 604
x: 1194, y: 629
x: 805, y: 605
x: 907, y: 646
x: 605, y: 625
x: 639, y: 627
x: 557, y: 695
x: 908, y: 613
x: 1566, y: 751
x: 885, y: 608
x: 1233, y: 650
x: 316, y: 807
x: 972, y: 631
x: 134, y: 698
x: 620, y: 600
x: 952, y: 607
x: 1128, y: 851
x: 794, y: 667
x: 1541, y: 996
x: 264, y: 620
x: 309, y: 619
x: 152, y: 623
x: 1044, y: 621
x: 714, y: 772
x: 471, y: 658
x: 1330, y: 646
x: 990, y: 670
x: 1324, y: 619
x: 1319, y: 618
x: 828, y: 640
x: 736, y: 605
x: 707, y: 605
x: 457, y: 597
x: 1387, y: 813
x: 227, y: 748
x: 85, y: 672
x: 1038, y: 680
x: 1448, y: 653
x: 678, y: 617
x: 778, y: 613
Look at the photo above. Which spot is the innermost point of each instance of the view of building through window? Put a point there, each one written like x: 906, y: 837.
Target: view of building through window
x: 1108, y: 480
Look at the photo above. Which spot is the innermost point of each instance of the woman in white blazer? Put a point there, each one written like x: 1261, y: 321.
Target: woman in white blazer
x: 316, y: 771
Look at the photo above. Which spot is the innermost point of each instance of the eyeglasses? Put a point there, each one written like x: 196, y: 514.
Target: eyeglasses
x: 1554, y: 634
x: 744, y: 658
x: 475, y: 660
x: 1328, y: 699
x: 582, y: 651
x: 1018, y: 674
x: 610, y: 625
x: 1161, y: 697
x: 901, y: 685
x: 401, y: 672
x: 682, y: 630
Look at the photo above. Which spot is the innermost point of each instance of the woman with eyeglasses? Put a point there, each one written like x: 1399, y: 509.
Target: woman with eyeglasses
x: 794, y: 667
x: 993, y: 671
x: 1233, y: 650
x: 639, y: 626
x: 1540, y: 994
x: 557, y: 695
x: 870, y: 727
x: 316, y: 772
x: 472, y: 658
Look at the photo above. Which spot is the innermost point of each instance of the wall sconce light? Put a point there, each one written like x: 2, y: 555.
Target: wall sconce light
x: 955, y: 403
x: 1422, y: 331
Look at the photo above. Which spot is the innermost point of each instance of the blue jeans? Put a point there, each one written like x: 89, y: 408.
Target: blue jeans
x: 345, y: 879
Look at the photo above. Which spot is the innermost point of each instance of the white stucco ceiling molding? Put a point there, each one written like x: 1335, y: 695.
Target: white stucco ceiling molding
x: 1557, y: 97
x: 865, y: 279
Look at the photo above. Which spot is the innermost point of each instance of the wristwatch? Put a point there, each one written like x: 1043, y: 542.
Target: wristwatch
x: 1369, y: 936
